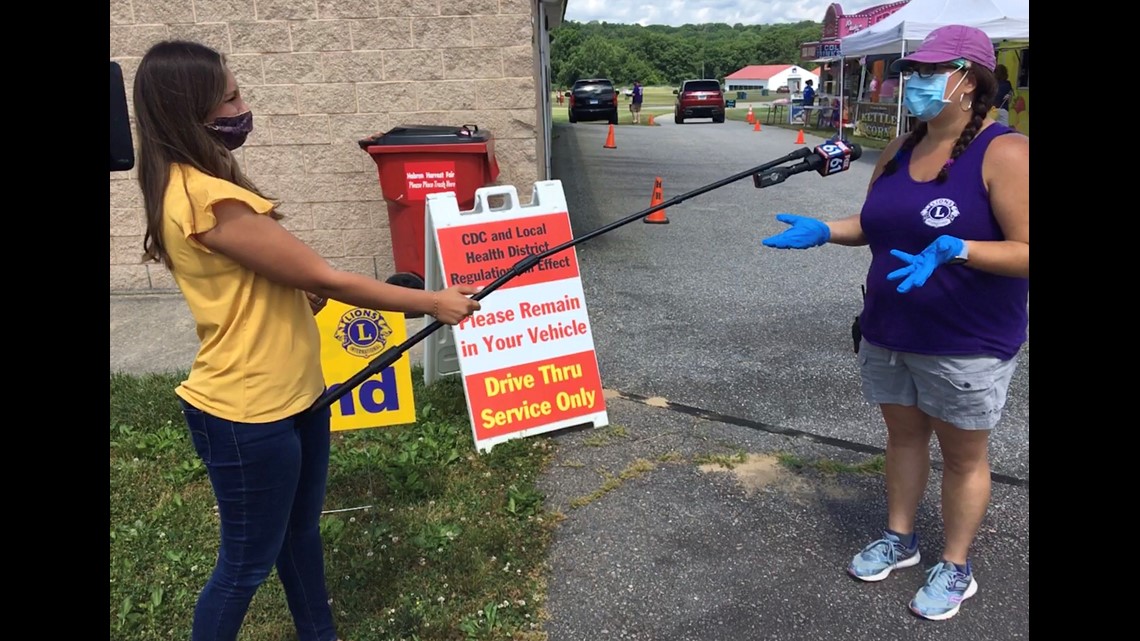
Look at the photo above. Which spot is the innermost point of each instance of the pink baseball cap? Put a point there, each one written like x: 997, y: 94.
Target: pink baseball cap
x: 949, y: 43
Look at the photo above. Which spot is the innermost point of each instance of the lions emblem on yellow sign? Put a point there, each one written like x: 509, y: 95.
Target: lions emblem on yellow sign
x: 349, y: 333
x: 363, y: 332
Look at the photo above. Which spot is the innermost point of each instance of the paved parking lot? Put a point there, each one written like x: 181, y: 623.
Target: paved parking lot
x: 720, y: 345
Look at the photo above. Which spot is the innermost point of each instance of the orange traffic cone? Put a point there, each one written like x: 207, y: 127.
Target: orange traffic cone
x: 658, y: 217
x: 751, y: 116
x: 651, y: 123
x: 756, y: 127
x: 610, y: 144
x: 800, y: 138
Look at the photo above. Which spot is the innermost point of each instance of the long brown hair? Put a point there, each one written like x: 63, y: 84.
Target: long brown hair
x: 985, y: 90
x: 177, y: 85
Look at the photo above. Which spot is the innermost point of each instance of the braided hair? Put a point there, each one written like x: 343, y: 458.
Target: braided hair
x: 985, y: 90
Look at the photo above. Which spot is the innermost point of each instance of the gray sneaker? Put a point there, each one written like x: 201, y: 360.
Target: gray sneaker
x: 945, y: 590
x: 875, y: 562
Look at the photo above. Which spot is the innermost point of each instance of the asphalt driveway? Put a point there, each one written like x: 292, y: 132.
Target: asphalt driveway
x: 716, y: 348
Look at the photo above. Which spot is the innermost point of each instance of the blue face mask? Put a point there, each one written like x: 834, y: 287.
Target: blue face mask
x: 925, y: 97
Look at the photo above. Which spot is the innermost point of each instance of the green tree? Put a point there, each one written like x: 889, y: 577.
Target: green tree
x: 661, y: 54
x: 596, y: 57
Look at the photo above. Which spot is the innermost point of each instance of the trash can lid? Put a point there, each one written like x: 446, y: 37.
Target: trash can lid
x: 427, y: 135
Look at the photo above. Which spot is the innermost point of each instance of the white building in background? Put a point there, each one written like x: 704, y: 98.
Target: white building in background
x: 770, y: 77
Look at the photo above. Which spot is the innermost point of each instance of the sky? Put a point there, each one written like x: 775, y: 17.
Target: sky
x: 679, y: 12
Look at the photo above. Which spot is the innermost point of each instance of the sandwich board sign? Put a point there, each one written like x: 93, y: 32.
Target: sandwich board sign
x: 527, y: 358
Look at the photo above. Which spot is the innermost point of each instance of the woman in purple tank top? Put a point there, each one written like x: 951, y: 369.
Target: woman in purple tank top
x: 947, y: 306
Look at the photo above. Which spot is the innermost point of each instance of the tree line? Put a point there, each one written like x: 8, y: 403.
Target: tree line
x: 665, y: 55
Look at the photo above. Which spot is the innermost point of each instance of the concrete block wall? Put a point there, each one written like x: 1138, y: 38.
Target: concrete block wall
x: 319, y: 76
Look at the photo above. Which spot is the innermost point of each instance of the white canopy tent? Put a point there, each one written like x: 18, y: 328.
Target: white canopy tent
x: 905, y: 29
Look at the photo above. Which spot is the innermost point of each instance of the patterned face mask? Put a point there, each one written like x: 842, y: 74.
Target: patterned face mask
x: 232, y: 130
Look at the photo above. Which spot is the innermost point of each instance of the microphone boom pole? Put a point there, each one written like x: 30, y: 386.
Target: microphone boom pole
x: 392, y: 354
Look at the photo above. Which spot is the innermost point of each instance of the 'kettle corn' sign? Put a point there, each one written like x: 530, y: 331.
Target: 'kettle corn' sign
x: 351, y: 337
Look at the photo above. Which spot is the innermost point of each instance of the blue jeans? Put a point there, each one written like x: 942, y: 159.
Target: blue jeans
x: 269, y: 480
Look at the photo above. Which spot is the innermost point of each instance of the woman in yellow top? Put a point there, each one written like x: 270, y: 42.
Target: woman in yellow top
x: 253, y: 289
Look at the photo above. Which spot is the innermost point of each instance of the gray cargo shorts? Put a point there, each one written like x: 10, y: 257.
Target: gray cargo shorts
x: 968, y: 392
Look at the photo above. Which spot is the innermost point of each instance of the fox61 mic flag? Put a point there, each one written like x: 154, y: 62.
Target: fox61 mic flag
x: 836, y: 156
x: 828, y: 159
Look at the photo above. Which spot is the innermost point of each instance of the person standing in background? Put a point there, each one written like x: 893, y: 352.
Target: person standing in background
x: 1004, y: 94
x: 808, y: 101
x: 809, y: 93
x: 635, y: 105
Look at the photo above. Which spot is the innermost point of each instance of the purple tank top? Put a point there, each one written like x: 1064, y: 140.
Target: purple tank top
x: 960, y: 310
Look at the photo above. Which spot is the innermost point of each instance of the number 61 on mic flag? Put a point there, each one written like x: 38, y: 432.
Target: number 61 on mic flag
x: 836, y: 157
x: 830, y: 158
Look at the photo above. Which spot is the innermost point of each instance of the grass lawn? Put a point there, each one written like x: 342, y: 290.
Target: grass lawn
x: 447, y: 544
x: 425, y: 540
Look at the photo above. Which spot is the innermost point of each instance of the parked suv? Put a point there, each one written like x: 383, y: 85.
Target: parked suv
x: 699, y: 99
x: 593, y: 99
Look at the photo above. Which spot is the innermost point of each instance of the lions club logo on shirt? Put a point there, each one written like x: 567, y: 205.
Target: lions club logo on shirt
x: 939, y: 212
x: 363, y: 332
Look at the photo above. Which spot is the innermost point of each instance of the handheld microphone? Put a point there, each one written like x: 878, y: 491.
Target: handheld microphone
x: 829, y: 158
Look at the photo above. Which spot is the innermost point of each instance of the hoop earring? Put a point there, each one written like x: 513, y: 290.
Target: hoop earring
x: 968, y: 107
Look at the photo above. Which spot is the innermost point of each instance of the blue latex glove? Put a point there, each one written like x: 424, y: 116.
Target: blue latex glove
x: 919, y: 267
x: 805, y: 233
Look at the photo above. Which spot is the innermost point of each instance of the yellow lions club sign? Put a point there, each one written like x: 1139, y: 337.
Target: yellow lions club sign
x: 350, y: 338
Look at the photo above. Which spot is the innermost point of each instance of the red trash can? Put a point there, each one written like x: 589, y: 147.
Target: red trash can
x: 416, y: 160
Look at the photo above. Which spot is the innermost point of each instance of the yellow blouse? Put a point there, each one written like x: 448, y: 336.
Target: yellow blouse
x: 259, y: 359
